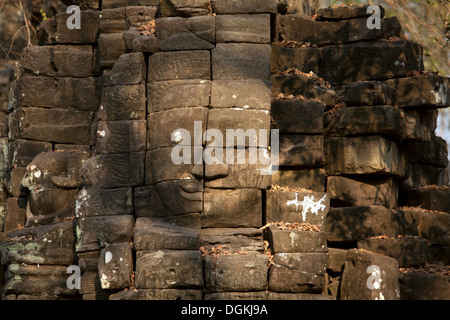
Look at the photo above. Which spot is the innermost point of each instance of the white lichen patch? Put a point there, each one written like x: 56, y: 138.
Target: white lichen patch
x: 108, y: 256
x: 308, y: 205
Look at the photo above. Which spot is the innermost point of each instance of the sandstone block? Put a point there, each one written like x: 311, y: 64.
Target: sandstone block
x: 104, y: 202
x: 121, y: 136
x: 123, y: 103
x: 304, y: 59
x: 295, y: 241
x: 115, y: 266
x: 245, y: 6
x: 233, y: 239
x: 292, y: 116
x: 249, y: 94
x: 243, y: 28
x: 301, y: 150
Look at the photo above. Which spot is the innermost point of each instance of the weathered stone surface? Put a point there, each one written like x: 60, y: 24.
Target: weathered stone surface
x: 169, y: 269
x: 364, y: 192
x: 121, y: 136
x: 68, y: 93
x: 241, y: 61
x: 301, y: 150
x: 423, y: 286
x: 236, y: 272
x: 243, y: 28
x: 113, y: 20
x: 22, y: 152
x: 161, y: 167
x: 108, y: 4
x: 439, y: 254
x: 370, y: 120
x: 60, y: 60
x: 292, y: 241
x: 165, y: 95
x: 304, y: 59
x: 238, y: 128
x: 311, y: 179
x: 265, y: 295
x: 139, y: 15
x: 233, y: 239
x: 130, y: 69
x: 171, y: 128
x: 434, y: 152
x: 347, y: 12
x: 104, y: 202
x: 438, y: 200
x: 123, y: 103
x: 47, y: 205
x: 304, y: 29
x: 425, y: 175
x: 171, y: 233
x: 137, y: 42
x: 336, y: 260
x: 180, y: 65
x: 88, y: 261
x: 178, y: 34
x: 422, y: 91
x: 419, y: 125
x: 370, y: 60
x: 43, y: 281
x: 369, y: 93
x: 51, y: 244
x: 289, y: 206
x: 364, y: 155
x: 15, y: 214
x: 169, y: 198
x: 114, y: 170
x: 158, y: 294
x: 245, y: 6
x: 307, y: 7
x: 91, y: 287
x: 293, y: 116
x: 13, y: 184
x: 85, y: 4
x: 358, y: 223
x: 303, y: 85
x: 54, y: 125
x: 96, y: 232
x: 249, y: 94
x: 408, y: 252
x: 184, y: 8
x: 232, y: 208
x: 369, y: 276
x: 298, y: 272
x: 115, y: 266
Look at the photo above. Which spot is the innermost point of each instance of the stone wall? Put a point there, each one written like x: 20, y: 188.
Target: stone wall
x: 95, y: 115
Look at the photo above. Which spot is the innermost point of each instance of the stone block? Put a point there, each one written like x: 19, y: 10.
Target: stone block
x: 364, y: 192
x: 298, y: 272
x: 369, y: 93
x: 364, y: 155
x: 290, y: 206
x: 52, y: 125
x: 169, y: 269
x: 114, y: 170
x: 96, y: 232
x: 115, y: 266
x: 308, y: 7
x: 60, y: 61
x: 109, y: 4
x: 241, y: 61
x: 408, y: 252
x: 419, y: 125
x: 180, y: 65
x: 104, y: 202
x: 424, y: 286
x: 165, y: 95
x: 369, y: 276
x: 15, y: 213
x: 123, y: 103
x: 245, y: 6
x: 236, y: 272
x: 137, y: 42
x: 248, y: 94
x: 311, y: 179
x: 304, y: 59
x: 295, y: 241
x: 357, y: 223
x: 184, y: 8
x: 113, y: 20
x: 375, y: 60
x: 50, y: 244
x: 297, y: 116
x: 438, y: 200
x: 22, y: 152
x: 50, y: 204
x: 121, y: 136
x: 248, y: 240
x: 371, y: 120
x: 346, y: 12
x: 111, y: 46
x: 130, y: 69
x: 336, y: 260
x: 301, y: 150
x: 177, y: 127
x: 158, y: 294
x: 425, y: 175
x: 140, y: 15
x: 422, y: 91
x: 68, y: 93
x: 434, y: 152
x: 13, y: 184
x: 248, y: 28
x: 169, y: 198
x: 302, y: 85
x: 171, y: 233
x: 232, y: 208
x: 178, y: 34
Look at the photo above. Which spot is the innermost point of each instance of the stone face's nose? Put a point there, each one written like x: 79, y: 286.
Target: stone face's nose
x: 216, y: 171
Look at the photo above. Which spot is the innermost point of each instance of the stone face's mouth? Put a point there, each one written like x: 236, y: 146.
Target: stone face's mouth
x: 191, y: 190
